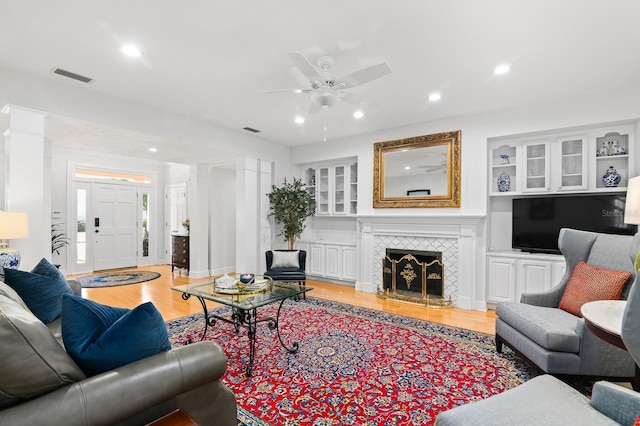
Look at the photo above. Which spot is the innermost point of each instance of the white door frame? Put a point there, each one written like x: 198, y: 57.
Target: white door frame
x: 155, y: 216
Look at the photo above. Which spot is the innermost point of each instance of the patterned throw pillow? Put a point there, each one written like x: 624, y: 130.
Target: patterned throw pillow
x: 588, y: 283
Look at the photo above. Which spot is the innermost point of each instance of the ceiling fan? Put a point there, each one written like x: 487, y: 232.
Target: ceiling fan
x: 326, y: 88
x: 442, y: 167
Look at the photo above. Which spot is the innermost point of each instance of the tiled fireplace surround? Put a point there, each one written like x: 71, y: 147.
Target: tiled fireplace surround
x: 457, y: 237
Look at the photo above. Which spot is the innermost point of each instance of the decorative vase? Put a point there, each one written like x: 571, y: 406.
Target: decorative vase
x: 504, y: 182
x: 611, y: 178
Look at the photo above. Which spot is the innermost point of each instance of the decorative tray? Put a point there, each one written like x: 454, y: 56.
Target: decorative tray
x: 257, y: 286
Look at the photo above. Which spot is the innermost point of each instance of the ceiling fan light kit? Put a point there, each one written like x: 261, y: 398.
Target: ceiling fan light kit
x: 325, y: 97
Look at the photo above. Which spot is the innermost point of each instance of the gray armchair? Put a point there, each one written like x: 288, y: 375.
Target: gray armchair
x: 546, y: 400
x: 555, y: 341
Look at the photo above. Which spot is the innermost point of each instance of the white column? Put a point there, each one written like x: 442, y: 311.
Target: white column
x: 364, y: 280
x: 265, y: 185
x: 27, y: 185
x: 199, y: 182
x: 247, y: 215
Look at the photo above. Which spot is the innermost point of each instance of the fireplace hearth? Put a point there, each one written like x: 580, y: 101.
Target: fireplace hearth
x: 415, y: 276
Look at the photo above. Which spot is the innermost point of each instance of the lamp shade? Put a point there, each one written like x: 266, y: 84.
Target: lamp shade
x: 13, y: 225
x: 632, y: 206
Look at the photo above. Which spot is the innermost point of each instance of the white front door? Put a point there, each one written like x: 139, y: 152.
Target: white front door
x: 114, y: 225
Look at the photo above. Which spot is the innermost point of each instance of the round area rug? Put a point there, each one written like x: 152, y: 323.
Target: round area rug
x: 111, y: 279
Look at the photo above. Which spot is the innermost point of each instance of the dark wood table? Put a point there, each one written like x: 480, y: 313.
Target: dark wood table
x: 604, y: 319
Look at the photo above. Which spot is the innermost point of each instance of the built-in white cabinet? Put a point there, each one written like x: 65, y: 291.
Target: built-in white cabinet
x: 570, y: 161
x: 334, y: 187
x: 510, y: 274
x: 336, y: 261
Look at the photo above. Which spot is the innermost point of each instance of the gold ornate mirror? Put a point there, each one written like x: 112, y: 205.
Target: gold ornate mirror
x: 422, y: 171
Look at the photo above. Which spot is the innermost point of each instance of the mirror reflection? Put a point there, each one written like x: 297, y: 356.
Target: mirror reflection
x: 416, y: 173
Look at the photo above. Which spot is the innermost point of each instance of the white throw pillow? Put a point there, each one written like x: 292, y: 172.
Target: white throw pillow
x: 285, y: 259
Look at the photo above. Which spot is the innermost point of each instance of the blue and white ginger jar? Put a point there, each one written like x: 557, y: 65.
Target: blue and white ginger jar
x: 611, y: 178
x: 504, y: 182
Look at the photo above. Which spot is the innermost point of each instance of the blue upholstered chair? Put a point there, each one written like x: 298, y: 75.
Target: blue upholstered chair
x: 287, y: 266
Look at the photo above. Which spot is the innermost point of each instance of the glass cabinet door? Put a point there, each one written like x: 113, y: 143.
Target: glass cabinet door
x: 536, y: 163
x: 339, y: 190
x: 322, y: 181
x: 573, y: 155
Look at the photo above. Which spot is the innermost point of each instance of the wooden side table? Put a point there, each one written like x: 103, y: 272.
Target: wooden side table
x: 180, y: 252
x: 604, y: 319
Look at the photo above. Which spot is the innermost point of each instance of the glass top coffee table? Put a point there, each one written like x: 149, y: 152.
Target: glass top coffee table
x: 244, y: 302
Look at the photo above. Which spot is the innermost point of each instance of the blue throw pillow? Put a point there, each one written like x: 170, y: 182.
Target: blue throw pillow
x: 100, y: 338
x: 41, y: 289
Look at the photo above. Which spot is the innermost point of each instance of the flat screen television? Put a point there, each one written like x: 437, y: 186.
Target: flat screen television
x: 537, y: 220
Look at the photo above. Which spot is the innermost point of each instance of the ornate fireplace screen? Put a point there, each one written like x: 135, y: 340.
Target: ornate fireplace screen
x: 416, y: 276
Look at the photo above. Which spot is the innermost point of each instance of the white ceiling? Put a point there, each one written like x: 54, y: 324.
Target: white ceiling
x: 210, y: 60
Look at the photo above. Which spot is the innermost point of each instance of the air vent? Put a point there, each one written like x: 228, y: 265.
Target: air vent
x: 251, y: 130
x: 72, y: 75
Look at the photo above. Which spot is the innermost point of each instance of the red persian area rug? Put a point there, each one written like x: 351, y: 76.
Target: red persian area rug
x: 354, y: 366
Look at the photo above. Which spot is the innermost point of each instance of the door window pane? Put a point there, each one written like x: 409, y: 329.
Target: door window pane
x: 81, y: 226
x: 145, y: 225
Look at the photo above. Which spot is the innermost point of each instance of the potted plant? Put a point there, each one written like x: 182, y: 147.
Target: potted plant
x: 58, y: 238
x: 290, y: 205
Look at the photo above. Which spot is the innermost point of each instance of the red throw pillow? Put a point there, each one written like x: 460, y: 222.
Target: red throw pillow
x: 588, y: 283
x: 637, y: 422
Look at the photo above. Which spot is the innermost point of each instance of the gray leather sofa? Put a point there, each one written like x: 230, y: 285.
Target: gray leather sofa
x: 41, y: 385
x: 555, y: 341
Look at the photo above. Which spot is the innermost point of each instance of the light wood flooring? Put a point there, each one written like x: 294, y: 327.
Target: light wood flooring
x: 171, y: 305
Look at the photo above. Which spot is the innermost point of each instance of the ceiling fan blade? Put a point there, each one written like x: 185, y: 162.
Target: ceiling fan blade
x: 296, y: 91
x: 304, y: 65
x: 354, y: 99
x: 366, y: 75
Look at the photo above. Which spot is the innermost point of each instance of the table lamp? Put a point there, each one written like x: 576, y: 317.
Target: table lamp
x: 13, y: 225
x: 632, y: 209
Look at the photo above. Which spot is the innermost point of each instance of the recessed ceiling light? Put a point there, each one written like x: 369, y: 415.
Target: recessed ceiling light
x: 502, y: 69
x: 299, y: 119
x: 434, y: 97
x: 153, y: 149
x: 358, y: 114
x: 407, y: 167
x: 130, y: 50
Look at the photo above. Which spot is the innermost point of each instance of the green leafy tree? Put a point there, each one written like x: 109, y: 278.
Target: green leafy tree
x: 291, y: 205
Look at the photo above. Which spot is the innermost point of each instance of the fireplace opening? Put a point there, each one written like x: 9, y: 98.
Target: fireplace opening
x: 414, y: 276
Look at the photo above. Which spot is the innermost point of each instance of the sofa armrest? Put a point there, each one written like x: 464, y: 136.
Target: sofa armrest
x: 616, y: 402
x: 119, y: 394
x: 75, y: 286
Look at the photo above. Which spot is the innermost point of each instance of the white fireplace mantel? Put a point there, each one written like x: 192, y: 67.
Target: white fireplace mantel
x: 459, y: 238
